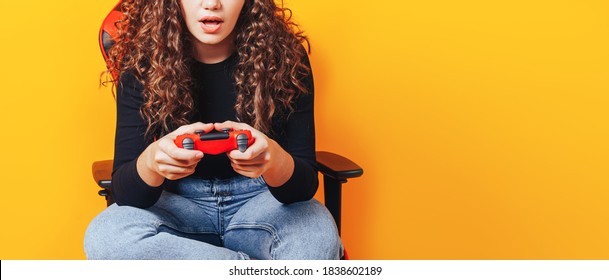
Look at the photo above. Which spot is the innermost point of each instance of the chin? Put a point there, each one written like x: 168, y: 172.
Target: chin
x: 210, y: 41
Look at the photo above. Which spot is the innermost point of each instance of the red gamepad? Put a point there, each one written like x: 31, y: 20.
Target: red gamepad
x: 216, y: 142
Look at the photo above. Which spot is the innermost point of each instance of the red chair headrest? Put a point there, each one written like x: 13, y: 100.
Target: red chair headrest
x: 107, y: 33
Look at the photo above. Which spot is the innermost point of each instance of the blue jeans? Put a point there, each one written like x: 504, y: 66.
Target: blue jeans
x: 235, y: 218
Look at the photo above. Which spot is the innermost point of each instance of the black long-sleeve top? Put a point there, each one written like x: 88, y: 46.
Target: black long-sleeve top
x: 214, y: 95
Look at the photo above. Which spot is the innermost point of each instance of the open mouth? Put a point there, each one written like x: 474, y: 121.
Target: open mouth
x: 211, y: 24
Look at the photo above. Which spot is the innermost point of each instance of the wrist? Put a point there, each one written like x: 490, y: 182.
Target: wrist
x: 146, y: 172
x: 281, y: 169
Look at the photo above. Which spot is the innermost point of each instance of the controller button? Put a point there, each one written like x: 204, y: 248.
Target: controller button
x: 188, y: 144
x: 242, y: 142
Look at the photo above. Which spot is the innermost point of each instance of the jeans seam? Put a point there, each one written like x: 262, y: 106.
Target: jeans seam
x: 263, y: 226
x: 189, y: 230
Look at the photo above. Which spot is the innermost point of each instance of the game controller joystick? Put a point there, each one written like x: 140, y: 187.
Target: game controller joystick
x: 216, y: 142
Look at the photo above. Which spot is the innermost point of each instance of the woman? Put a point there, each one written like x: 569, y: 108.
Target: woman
x: 210, y: 65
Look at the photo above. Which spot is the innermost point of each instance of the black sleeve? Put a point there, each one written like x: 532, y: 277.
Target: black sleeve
x: 128, y: 188
x: 298, y: 139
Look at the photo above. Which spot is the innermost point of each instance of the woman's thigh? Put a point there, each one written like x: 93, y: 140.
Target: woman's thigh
x: 171, y: 228
x: 265, y: 228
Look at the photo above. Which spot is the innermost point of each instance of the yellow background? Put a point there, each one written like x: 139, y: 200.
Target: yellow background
x: 482, y: 126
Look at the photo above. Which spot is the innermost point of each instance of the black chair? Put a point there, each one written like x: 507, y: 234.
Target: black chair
x: 335, y: 169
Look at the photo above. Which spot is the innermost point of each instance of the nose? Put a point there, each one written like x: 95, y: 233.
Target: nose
x: 211, y: 4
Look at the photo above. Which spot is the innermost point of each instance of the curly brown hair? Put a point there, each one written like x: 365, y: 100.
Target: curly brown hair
x: 154, y: 44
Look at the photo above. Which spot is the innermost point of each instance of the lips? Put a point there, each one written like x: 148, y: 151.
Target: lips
x: 211, y: 24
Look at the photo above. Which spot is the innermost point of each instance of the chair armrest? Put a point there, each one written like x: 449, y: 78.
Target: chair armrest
x: 337, y: 167
x: 102, y: 172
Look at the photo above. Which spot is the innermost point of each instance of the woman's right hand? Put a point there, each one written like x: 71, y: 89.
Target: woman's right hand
x: 164, y: 160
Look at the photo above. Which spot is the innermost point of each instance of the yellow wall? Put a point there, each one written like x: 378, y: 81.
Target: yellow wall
x: 482, y: 126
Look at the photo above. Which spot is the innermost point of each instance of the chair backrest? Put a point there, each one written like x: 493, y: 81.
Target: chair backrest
x: 108, y: 32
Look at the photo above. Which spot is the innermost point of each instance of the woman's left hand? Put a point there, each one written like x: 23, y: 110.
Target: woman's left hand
x: 263, y: 158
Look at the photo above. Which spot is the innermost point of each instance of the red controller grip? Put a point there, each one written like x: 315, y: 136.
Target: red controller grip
x: 215, y: 143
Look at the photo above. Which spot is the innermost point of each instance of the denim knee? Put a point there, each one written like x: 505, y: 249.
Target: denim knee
x: 302, y: 230
x: 111, y: 234
x: 319, y: 239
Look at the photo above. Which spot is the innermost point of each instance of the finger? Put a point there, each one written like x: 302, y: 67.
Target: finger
x: 168, y: 147
x: 231, y: 125
x: 165, y: 159
x: 260, y: 159
x: 248, y: 154
x: 180, y: 154
x: 174, y: 173
x: 168, y: 160
x: 248, y: 171
x: 173, y: 169
x: 258, y: 148
x: 191, y: 128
